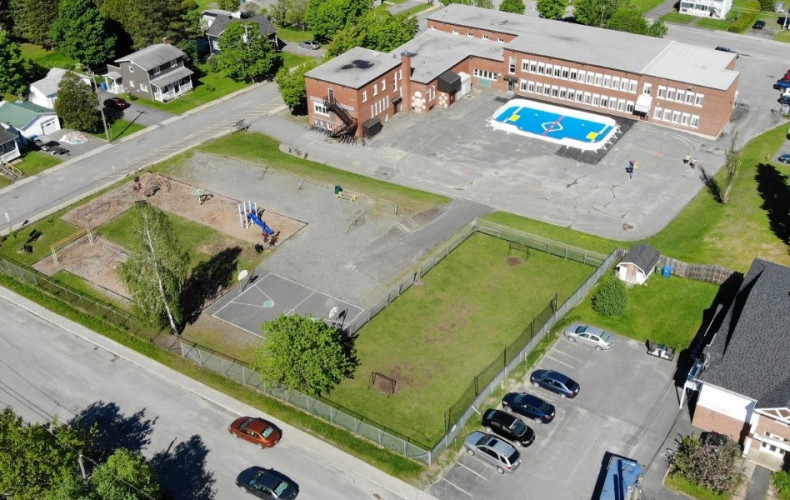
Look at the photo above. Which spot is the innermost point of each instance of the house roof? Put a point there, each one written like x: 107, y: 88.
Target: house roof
x: 222, y: 21
x: 49, y: 84
x: 644, y: 257
x: 355, y: 68
x: 601, y: 47
x: 6, y: 136
x: 153, y: 56
x: 171, y: 77
x: 20, y: 114
x: 750, y: 353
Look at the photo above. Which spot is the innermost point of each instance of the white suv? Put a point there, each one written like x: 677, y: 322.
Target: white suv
x: 490, y: 448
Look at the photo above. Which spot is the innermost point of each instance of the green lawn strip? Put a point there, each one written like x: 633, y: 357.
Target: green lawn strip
x: 413, y: 11
x: 263, y: 150
x: 681, y: 485
x: 46, y: 58
x: 209, y: 87
x: 666, y: 310
x: 291, y: 60
x: 645, y: 6
x: 436, y: 337
x: 292, y: 35
x: 52, y: 230
x: 33, y: 163
x: 678, y: 18
x: 732, y: 235
x: 122, y: 128
x: 387, y: 461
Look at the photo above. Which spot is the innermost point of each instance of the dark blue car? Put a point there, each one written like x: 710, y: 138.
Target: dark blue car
x: 555, y: 382
x: 530, y: 406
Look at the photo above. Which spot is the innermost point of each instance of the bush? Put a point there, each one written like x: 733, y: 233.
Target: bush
x: 781, y: 481
x: 713, y: 465
x: 611, y: 298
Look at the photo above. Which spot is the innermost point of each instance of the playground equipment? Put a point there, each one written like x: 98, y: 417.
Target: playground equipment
x: 201, y: 195
x: 58, y: 245
x: 248, y: 215
x: 344, y: 195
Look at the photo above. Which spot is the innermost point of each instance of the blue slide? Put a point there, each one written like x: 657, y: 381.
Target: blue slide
x: 257, y: 220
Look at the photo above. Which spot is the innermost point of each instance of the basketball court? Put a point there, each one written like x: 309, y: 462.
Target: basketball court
x: 265, y: 296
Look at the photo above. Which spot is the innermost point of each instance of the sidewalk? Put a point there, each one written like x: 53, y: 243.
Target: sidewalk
x: 381, y: 485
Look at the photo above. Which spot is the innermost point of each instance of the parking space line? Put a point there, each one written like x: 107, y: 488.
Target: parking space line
x: 566, y: 354
x: 457, y: 487
x: 560, y: 362
x: 472, y: 470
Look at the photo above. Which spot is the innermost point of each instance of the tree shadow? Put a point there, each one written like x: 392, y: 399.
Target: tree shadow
x: 348, y: 343
x: 773, y: 189
x: 113, y: 429
x: 181, y: 470
x: 711, y: 184
x: 207, y: 281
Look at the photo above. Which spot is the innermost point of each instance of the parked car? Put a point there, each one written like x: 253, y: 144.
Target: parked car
x: 116, y: 103
x: 530, y: 406
x: 310, y: 45
x: 589, y: 335
x: 52, y: 147
x: 256, y: 430
x: 782, y: 84
x: 785, y: 158
x: 267, y: 483
x: 555, y: 382
x: 758, y: 25
x: 784, y: 99
x: 493, y: 450
x: 508, y: 426
x: 721, y: 48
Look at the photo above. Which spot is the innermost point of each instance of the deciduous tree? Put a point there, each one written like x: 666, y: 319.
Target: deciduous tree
x: 153, y: 21
x: 77, y: 104
x: 595, y: 12
x: 290, y: 13
x: 292, y: 83
x: 125, y: 476
x: 229, y: 5
x: 377, y: 30
x: 732, y: 161
x: 552, y: 9
x: 80, y: 32
x: 711, y: 465
x: 629, y: 20
x: 514, y: 6
x: 12, y: 67
x: 41, y: 14
x: 327, y: 17
x: 246, y: 54
x: 304, y: 353
x: 156, y: 269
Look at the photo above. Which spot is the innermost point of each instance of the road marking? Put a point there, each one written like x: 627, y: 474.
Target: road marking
x: 560, y: 362
x: 456, y: 487
x: 566, y: 354
x: 472, y: 470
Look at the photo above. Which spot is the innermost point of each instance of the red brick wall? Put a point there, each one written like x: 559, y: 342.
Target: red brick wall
x: 767, y: 424
x: 494, y: 36
x: 710, y: 420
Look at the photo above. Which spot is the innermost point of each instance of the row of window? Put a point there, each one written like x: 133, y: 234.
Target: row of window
x: 472, y: 35
x: 676, y: 117
x: 485, y: 74
x: 575, y: 75
x: 682, y: 96
x: 379, y: 106
x: 395, y: 78
x: 577, y: 96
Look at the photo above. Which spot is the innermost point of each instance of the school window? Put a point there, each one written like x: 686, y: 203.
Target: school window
x: 598, y: 79
x: 541, y: 68
x: 549, y: 69
x: 555, y: 91
x: 523, y: 85
x: 689, y: 98
x: 587, y: 97
x: 629, y: 106
x: 667, y: 115
x: 571, y: 95
x: 612, y: 103
x: 485, y: 74
x: 581, y: 76
x: 383, y: 85
x: 658, y: 113
x: 624, y: 84
x: 579, y: 96
x: 632, y: 86
x: 557, y: 71
x: 131, y: 83
x: 512, y: 66
x: 131, y: 68
x: 676, y: 117
x: 563, y: 93
x: 607, y: 81
x: 621, y: 105
x: 320, y: 109
x: 615, y: 83
x: 525, y: 65
x: 574, y: 75
x: 547, y: 90
x: 376, y: 89
x: 565, y: 73
x: 647, y: 88
x: 604, y: 101
x: 596, y: 99
x: 455, y: 32
x: 538, y: 88
x: 699, y: 99
x: 681, y: 96
x: 364, y: 96
x: 395, y: 82
x: 684, y: 119
x: 485, y: 37
x: 372, y: 111
x: 533, y: 67
x: 501, y: 40
x: 590, y: 77
x: 670, y: 94
x: 531, y: 87
x: 694, y: 121
x: 662, y: 92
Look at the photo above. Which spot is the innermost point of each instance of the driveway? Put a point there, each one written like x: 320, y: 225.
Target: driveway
x: 627, y: 406
x: 136, y: 112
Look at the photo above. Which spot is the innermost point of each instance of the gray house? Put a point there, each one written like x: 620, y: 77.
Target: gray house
x: 156, y: 72
x: 638, y: 264
x: 222, y: 21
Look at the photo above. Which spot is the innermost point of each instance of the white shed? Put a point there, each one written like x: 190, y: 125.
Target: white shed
x: 638, y: 264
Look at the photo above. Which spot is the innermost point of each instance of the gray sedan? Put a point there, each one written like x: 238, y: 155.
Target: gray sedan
x: 590, y: 335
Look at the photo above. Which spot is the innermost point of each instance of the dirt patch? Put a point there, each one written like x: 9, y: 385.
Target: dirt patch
x: 170, y: 195
x: 514, y: 261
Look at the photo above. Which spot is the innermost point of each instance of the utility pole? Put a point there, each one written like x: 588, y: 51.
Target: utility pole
x: 101, y: 106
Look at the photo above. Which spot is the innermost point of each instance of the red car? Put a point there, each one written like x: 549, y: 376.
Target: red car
x: 256, y: 430
x: 116, y: 103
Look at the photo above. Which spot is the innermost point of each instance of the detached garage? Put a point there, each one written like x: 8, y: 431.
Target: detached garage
x: 29, y: 119
x: 638, y: 264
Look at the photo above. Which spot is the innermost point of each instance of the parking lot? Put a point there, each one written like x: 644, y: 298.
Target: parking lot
x: 627, y: 405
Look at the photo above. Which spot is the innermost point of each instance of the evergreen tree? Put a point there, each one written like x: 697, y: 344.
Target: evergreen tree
x: 155, y: 21
x: 157, y: 268
x: 41, y: 15
x: 12, y: 67
x: 80, y: 32
x: 77, y: 104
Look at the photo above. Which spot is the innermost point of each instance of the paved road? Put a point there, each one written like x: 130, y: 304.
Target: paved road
x: 51, y: 366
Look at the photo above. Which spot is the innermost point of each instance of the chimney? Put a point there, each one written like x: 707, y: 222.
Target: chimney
x: 164, y: 40
x: 405, y: 84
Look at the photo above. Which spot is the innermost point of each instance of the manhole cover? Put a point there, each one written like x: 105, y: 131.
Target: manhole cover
x: 268, y: 304
x: 628, y: 227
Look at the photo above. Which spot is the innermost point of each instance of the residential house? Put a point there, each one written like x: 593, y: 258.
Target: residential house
x: 743, y: 376
x: 9, y: 146
x: 620, y: 74
x: 715, y: 9
x: 156, y: 72
x: 638, y: 264
x: 222, y: 21
x: 44, y: 92
x: 27, y: 119
x: 208, y: 16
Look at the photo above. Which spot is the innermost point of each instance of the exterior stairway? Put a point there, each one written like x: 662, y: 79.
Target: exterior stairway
x: 349, y: 127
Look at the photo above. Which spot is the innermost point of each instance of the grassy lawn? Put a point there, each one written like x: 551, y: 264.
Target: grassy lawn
x: 415, y: 10
x: 46, y: 58
x: 291, y: 35
x: 678, y: 18
x: 119, y: 129
x: 679, y: 484
x: 437, y: 336
x: 291, y: 60
x: 34, y: 162
x: 644, y: 6
x: 263, y: 150
x: 209, y: 87
x: 52, y: 230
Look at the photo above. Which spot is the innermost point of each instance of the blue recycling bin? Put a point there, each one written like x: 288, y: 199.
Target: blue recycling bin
x: 667, y: 271
x: 103, y: 86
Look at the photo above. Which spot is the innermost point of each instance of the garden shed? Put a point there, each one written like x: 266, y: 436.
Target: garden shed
x: 638, y: 264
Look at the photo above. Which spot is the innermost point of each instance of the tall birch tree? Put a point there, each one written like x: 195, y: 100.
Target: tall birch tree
x: 157, y: 268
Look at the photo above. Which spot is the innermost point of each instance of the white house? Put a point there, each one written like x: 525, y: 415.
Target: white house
x: 44, y: 92
x: 28, y: 119
x: 716, y: 9
x: 638, y: 264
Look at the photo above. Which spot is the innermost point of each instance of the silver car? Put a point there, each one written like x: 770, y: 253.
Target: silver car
x: 590, y: 335
x: 493, y: 450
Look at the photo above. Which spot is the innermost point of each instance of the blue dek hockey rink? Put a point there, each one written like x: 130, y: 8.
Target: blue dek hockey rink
x: 565, y: 126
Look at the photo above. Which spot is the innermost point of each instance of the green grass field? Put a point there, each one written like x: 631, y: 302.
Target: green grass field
x: 119, y: 129
x: 46, y: 58
x: 437, y: 336
x: 34, y: 162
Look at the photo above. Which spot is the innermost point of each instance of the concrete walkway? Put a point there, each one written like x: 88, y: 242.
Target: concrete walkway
x: 759, y: 483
